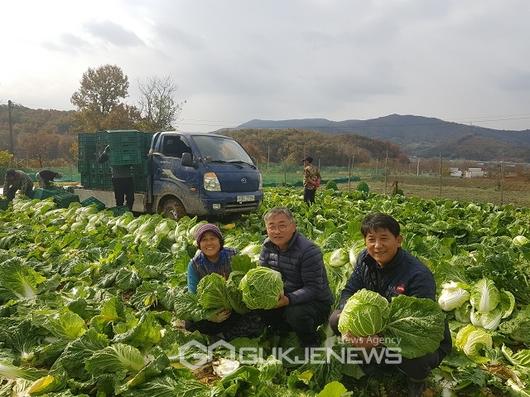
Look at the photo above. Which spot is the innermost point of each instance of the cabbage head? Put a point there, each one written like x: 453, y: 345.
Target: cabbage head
x: 339, y: 257
x: 453, y: 296
x: 261, y: 288
x: 365, y: 313
x: 211, y: 292
x: 520, y: 241
x: 234, y: 294
x: 463, y: 313
x: 484, y: 296
x: 491, y: 320
x: 474, y: 341
x: 488, y: 320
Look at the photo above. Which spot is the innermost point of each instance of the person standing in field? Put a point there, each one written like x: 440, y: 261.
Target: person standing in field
x: 122, y: 181
x: 311, y: 180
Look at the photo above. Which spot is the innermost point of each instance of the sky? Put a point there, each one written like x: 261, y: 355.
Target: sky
x: 466, y: 61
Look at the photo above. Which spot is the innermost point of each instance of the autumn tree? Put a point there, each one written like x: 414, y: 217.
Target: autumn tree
x: 102, y: 91
x: 44, y: 148
x: 157, y: 104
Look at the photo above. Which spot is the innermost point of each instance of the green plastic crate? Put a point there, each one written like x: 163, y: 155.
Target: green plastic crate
x: 117, y: 211
x: 4, y: 203
x: 86, y: 180
x: 42, y: 194
x: 125, y: 156
x: 63, y: 200
x: 93, y: 201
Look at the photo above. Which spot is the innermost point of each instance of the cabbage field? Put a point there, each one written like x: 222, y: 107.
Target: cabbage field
x: 92, y: 304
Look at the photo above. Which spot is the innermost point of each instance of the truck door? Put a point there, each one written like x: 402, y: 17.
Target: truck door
x: 169, y: 176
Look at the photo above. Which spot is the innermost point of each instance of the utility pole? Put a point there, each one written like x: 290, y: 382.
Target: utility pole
x: 11, y: 140
x: 502, y: 182
x: 440, y: 193
x: 268, y: 154
x: 418, y: 167
x: 386, y: 171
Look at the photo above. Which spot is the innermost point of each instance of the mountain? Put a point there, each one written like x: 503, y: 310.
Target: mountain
x: 420, y: 136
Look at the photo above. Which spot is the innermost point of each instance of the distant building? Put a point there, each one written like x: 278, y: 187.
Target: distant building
x: 453, y: 171
x: 473, y: 172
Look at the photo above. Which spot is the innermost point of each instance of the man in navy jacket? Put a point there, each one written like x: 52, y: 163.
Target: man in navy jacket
x: 306, y: 300
x: 384, y: 267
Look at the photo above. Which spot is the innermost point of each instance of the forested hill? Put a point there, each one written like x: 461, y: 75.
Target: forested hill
x: 421, y: 136
x: 50, y: 134
x: 39, y: 134
x: 292, y: 145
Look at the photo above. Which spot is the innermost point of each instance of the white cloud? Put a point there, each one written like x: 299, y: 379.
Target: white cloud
x: 237, y: 60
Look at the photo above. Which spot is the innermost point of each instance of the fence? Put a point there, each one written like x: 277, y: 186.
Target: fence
x: 500, y: 187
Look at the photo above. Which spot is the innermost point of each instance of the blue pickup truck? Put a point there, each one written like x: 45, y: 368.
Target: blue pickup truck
x: 189, y: 174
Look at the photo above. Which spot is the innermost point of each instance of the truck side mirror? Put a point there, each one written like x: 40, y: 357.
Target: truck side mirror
x: 187, y: 160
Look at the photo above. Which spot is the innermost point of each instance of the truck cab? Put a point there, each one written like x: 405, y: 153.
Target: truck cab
x: 201, y: 174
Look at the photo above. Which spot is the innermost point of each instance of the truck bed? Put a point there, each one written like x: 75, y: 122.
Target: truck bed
x: 107, y: 197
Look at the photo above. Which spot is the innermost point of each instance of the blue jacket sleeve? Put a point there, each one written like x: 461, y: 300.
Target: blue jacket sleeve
x: 354, y: 284
x: 422, y: 285
x: 312, y: 268
x: 193, y: 278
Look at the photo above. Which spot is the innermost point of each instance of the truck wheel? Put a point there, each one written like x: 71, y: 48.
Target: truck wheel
x: 173, y: 208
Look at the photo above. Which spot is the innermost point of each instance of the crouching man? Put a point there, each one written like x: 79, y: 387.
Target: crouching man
x: 306, y: 301
x: 384, y: 267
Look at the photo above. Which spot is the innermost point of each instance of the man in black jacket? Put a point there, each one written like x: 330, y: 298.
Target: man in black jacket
x: 306, y: 300
x: 384, y: 267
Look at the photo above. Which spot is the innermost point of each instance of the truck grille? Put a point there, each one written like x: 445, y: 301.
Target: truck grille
x: 243, y: 207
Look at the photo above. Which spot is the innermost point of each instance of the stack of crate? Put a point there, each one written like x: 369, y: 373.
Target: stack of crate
x: 127, y: 148
x: 87, y: 156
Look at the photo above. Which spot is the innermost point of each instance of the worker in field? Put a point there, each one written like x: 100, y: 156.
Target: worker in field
x: 306, y: 301
x: 214, y: 257
x: 46, y: 178
x: 384, y: 267
x: 16, y: 180
x: 122, y: 181
x: 311, y: 180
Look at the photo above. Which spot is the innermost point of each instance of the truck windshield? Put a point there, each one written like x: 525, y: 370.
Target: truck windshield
x: 213, y: 148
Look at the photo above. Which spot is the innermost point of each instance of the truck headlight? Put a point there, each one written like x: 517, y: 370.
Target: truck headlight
x: 211, y: 183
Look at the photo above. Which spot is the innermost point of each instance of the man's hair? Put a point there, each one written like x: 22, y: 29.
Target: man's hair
x: 10, y: 173
x: 279, y: 211
x: 378, y: 220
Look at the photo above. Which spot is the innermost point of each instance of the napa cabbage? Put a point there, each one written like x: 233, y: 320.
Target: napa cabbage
x: 485, y: 296
x: 261, y: 288
x: 453, y: 295
x: 519, y: 241
x: 365, y: 313
x: 18, y: 280
x: 414, y: 325
x: 234, y: 294
x: 474, y: 341
x: 211, y: 292
x: 252, y: 250
x: 339, y: 257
